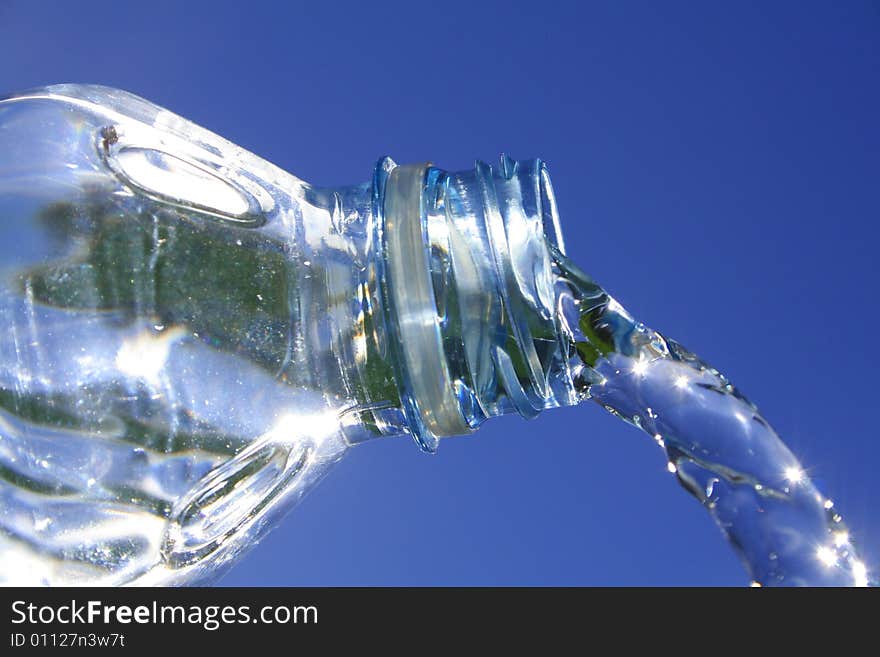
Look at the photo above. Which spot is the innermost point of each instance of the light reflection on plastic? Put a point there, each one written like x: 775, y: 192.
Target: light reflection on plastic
x: 169, y: 176
x: 316, y: 428
x: 640, y: 367
x: 144, y: 355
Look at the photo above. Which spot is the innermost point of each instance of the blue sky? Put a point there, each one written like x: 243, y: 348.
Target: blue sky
x: 716, y: 169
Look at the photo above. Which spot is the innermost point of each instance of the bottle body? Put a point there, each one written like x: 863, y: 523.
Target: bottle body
x: 193, y: 336
x: 189, y: 341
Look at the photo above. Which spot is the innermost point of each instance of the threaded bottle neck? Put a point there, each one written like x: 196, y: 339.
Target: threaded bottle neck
x: 470, y: 288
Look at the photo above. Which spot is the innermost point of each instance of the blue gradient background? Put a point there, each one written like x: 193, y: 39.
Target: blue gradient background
x: 716, y: 168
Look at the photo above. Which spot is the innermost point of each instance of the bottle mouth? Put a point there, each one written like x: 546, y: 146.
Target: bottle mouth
x: 470, y: 293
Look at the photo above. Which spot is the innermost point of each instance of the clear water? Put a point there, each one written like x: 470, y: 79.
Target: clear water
x: 192, y: 337
x: 718, y: 445
x: 145, y: 437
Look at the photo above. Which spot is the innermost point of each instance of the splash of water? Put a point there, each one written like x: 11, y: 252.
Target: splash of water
x: 718, y: 445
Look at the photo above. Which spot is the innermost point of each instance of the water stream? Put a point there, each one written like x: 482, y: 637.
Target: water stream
x: 718, y: 445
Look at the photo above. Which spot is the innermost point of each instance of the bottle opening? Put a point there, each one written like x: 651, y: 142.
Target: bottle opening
x: 470, y: 285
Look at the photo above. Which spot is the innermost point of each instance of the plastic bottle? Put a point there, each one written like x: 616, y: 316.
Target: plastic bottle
x: 192, y: 336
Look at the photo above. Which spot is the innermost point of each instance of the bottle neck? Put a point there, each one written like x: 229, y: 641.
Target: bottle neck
x: 470, y: 291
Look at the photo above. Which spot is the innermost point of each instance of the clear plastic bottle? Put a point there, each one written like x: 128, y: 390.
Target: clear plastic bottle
x: 192, y: 336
